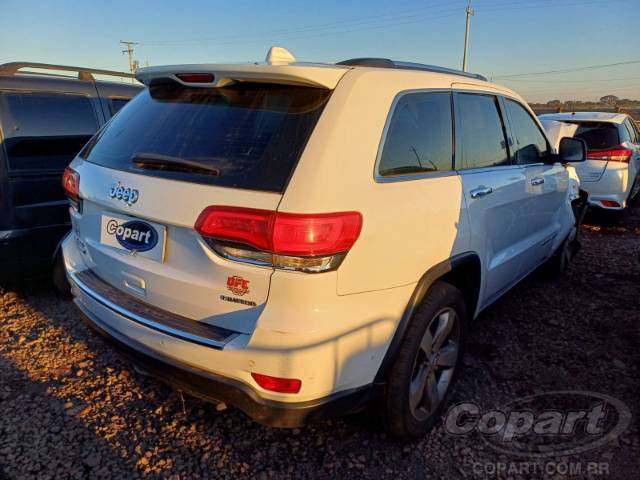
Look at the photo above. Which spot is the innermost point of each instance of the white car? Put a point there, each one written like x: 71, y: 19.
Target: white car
x: 610, y: 174
x: 300, y: 239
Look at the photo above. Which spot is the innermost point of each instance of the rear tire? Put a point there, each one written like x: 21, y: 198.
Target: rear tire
x: 556, y: 266
x: 427, y: 363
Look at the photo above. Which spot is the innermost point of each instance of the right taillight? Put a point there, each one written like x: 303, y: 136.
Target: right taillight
x: 615, y: 154
x: 314, y: 242
x: 71, y: 185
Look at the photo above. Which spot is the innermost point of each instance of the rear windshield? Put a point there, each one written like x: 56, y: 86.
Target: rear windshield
x: 598, y: 135
x: 246, y: 135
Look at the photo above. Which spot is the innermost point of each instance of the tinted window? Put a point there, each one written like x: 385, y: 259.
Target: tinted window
x: 45, y: 131
x: 530, y: 144
x: 419, y: 138
x: 482, y: 139
x: 598, y: 135
x: 244, y: 135
x: 117, y: 104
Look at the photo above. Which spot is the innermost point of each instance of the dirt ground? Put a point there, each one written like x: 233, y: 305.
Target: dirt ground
x: 72, y: 408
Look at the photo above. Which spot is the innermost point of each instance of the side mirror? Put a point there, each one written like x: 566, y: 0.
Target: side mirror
x: 572, y: 150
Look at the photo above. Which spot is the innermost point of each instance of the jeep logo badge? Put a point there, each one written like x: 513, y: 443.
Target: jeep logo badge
x: 127, y: 195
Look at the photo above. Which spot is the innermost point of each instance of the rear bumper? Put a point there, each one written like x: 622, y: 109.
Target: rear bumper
x: 215, y: 388
x: 205, y: 361
x: 613, y: 190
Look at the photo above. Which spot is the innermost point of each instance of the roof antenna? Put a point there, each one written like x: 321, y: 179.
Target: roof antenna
x: 279, y: 56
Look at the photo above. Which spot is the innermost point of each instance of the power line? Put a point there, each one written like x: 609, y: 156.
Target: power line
x: 319, y: 30
x: 567, y: 70
x: 626, y: 79
x: 369, y: 23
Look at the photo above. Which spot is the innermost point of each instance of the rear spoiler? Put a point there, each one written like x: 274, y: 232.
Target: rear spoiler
x: 310, y: 75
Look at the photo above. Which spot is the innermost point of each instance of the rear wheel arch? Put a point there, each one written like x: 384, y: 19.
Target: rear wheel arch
x: 463, y: 271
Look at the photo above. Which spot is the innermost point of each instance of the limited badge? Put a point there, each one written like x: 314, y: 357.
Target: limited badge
x: 238, y: 285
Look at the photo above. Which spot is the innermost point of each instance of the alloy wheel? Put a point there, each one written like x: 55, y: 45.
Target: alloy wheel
x: 435, y: 363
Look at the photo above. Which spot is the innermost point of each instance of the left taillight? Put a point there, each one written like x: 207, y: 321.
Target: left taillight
x: 310, y: 243
x: 71, y: 185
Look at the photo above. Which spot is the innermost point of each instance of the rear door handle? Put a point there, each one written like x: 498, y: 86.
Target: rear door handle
x: 481, y: 192
x: 537, y: 181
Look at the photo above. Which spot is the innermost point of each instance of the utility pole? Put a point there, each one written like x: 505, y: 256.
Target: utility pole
x: 129, y: 50
x: 466, y: 37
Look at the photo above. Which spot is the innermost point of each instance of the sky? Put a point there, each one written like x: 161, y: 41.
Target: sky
x: 506, y: 38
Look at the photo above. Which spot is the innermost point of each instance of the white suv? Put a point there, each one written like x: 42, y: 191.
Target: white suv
x: 300, y: 239
x: 610, y: 174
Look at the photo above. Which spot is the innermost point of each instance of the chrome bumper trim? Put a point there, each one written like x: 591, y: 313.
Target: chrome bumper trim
x: 171, y: 324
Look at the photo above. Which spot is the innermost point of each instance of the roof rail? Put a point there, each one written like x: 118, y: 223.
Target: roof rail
x: 388, y: 63
x: 83, y: 73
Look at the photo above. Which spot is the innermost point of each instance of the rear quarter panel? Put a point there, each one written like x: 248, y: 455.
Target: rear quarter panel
x: 408, y: 226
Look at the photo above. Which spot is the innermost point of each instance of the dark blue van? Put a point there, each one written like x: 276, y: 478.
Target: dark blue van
x: 46, y: 117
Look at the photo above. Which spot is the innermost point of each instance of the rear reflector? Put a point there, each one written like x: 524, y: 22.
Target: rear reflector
x: 71, y: 183
x: 610, y: 203
x: 275, y: 384
x: 615, y: 154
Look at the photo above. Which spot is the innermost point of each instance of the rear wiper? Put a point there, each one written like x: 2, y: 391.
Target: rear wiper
x: 166, y: 162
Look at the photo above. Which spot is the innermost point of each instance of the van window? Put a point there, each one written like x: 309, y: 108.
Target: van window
x: 44, y: 131
x: 116, y: 104
x: 482, y: 136
x: 245, y: 135
x: 419, y: 138
x: 530, y: 143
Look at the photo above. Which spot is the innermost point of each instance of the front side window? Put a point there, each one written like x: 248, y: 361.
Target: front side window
x: 482, y: 138
x: 530, y: 143
x: 419, y: 138
x: 44, y: 131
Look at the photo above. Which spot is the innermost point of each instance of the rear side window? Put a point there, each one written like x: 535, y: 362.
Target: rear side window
x: 244, y: 135
x: 598, y: 135
x: 530, y: 144
x: 633, y: 134
x: 482, y: 138
x: 44, y: 131
x: 419, y: 137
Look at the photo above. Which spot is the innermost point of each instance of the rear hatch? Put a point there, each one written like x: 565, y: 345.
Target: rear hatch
x: 600, y: 138
x: 170, y: 153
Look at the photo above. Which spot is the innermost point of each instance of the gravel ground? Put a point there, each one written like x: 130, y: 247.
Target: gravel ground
x: 72, y: 408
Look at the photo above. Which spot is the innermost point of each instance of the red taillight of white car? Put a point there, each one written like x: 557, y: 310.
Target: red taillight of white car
x: 71, y: 185
x: 315, y: 242
x: 615, y: 154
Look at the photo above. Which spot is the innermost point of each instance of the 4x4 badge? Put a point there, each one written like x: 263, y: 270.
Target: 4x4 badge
x: 126, y: 194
